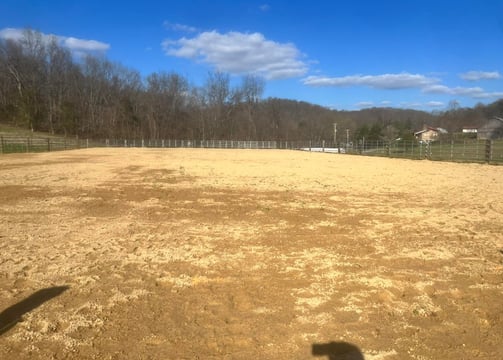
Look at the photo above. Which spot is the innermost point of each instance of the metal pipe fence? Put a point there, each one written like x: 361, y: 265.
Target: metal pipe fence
x: 217, y: 144
x: 469, y: 150
x: 17, y: 144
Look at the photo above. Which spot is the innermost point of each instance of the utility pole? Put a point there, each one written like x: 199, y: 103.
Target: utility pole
x: 347, y: 138
x: 335, y: 134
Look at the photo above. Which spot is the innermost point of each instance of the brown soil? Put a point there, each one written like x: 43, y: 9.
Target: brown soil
x: 243, y: 254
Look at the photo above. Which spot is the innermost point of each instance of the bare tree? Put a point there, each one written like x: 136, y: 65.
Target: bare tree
x: 252, y: 88
x: 217, y: 94
x: 166, y: 98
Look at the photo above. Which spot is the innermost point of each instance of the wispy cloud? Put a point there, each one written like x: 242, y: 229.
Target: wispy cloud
x: 386, y: 103
x: 435, y: 104
x: 364, y: 104
x: 473, y: 92
x: 84, y: 45
x: 411, y: 105
x: 74, y: 44
x: 480, y: 75
x: 240, y: 53
x: 384, y: 81
x: 265, y: 7
x: 179, y: 27
x: 11, y: 34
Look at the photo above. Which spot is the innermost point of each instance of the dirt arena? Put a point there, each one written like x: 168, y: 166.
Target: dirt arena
x: 248, y: 254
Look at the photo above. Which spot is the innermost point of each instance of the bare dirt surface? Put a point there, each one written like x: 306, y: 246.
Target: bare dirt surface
x: 244, y: 254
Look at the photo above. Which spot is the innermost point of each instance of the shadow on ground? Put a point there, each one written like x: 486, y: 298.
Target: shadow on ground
x: 338, y: 351
x: 12, y: 315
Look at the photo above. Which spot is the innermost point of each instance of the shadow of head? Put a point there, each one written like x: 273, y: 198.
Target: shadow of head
x: 12, y: 315
x: 338, y: 351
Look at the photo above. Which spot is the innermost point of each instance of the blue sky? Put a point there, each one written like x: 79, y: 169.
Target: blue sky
x: 340, y: 54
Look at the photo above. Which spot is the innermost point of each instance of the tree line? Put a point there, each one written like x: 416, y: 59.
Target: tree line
x: 44, y: 87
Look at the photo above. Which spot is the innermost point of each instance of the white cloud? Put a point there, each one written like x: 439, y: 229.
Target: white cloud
x: 410, y: 105
x: 240, y: 53
x: 84, y: 45
x: 435, y: 104
x: 265, y: 7
x: 386, y: 102
x: 364, y: 104
x: 74, y: 44
x: 489, y: 95
x: 11, y: 34
x: 179, y: 27
x: 480, y: 75
x: 384, y: 81
x: 473, y: 92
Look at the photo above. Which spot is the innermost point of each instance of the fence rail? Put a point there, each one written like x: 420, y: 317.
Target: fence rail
x: 468, y: 150
x: 16, y: 144
x: 484, y: 151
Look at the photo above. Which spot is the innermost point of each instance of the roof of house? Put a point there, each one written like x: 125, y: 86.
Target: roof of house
x: 431, y: 128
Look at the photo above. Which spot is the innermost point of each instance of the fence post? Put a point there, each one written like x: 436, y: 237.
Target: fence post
x: 48, y: 144
x: 489, y: 150
x: 452, y: 149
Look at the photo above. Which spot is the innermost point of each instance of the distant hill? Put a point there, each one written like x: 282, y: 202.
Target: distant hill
x: 44, y: 88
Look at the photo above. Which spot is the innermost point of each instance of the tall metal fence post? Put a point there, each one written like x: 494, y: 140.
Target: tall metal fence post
x: 87, y: 143
x: 489, y: 150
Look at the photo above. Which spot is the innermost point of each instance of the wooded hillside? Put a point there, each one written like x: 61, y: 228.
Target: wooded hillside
x: 44, y: 87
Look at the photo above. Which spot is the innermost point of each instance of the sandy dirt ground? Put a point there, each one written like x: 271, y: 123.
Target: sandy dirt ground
x: 248, y: 254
